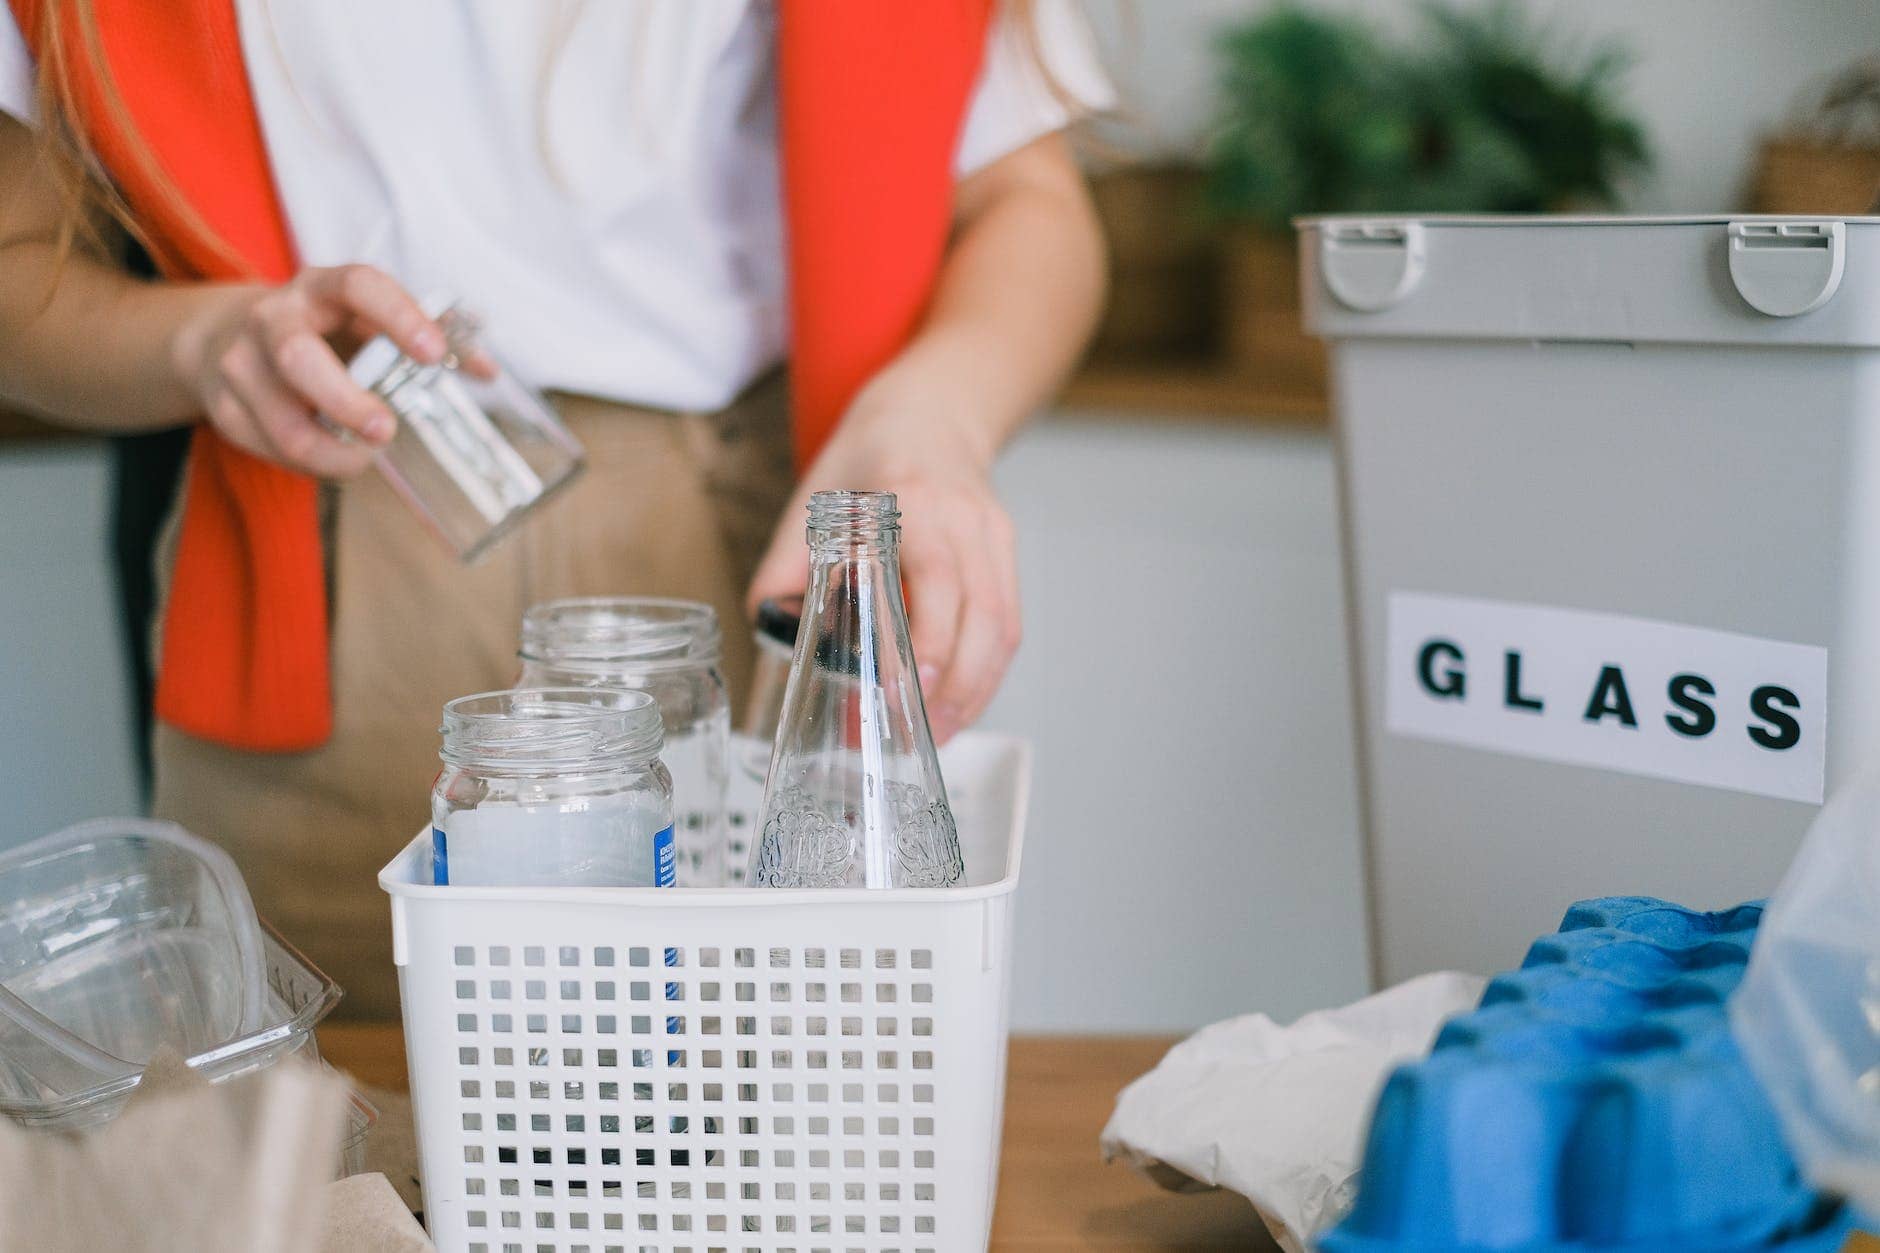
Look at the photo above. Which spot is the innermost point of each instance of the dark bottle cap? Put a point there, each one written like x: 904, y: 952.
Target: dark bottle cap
x: 778, y: 618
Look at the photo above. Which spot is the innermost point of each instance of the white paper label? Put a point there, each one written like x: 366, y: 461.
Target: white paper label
x: 1595, y: 689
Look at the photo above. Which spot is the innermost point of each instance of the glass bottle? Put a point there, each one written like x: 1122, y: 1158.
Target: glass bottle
x: 854, y: 797
x: 668, y: 649
x: 552, y: 787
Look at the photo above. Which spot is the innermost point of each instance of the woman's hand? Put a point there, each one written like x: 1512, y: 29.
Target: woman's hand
x: 265, y: 362
x: 957, y: 548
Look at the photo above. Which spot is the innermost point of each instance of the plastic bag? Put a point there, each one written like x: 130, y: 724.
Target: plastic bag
x: 1807, y: 1015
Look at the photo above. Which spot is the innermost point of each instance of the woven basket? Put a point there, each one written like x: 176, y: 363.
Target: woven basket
x: 1826, y: 159
x: 1806, y: 176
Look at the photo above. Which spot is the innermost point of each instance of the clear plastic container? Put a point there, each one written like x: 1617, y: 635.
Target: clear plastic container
x: 668, y: 649
x: 123, y: 935
x: 552, y: 787
x: 476, y: 449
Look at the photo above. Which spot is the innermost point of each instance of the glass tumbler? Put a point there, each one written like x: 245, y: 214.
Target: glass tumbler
x: 668, y: 649
x: 475, y: 452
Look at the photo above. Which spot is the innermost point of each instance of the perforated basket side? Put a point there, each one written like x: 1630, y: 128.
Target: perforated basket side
x: 689, y: 1075
x: 598, y: 1070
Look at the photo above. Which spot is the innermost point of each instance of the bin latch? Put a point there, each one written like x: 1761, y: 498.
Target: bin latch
x: 1785, y: 269
x: 1370, y: 266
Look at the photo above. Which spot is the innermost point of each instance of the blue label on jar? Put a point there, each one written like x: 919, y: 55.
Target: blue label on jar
x: 665, y: 863
x: 440, y: 858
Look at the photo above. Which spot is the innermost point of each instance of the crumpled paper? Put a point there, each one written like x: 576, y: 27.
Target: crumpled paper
x: 1279, y: 1113
x: 242, y: 1166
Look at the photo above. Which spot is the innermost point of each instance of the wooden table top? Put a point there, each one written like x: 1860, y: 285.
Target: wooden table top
x: 1054, y: 1190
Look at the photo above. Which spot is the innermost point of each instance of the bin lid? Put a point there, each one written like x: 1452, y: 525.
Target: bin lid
x: 1704, y: 279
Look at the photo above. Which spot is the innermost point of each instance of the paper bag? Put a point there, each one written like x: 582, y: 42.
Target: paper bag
x: 238, y: 1167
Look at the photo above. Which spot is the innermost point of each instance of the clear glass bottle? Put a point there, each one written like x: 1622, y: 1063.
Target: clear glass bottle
x: 854, y: 797
x: 668, y: 649
x: 552, y: 787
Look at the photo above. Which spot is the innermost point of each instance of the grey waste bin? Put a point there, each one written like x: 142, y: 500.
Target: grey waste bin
x: 1611, y: 493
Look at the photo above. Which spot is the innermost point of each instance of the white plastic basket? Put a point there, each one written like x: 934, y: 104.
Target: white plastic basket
x: 613, y: 1070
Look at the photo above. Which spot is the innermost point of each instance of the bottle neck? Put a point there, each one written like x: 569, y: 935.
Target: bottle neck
x: 850, y: 526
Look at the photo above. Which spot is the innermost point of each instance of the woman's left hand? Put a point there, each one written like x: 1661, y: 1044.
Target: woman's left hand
x: 958, y: 555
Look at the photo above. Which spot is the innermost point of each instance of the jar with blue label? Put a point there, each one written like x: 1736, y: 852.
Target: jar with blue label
x: 552, y: 787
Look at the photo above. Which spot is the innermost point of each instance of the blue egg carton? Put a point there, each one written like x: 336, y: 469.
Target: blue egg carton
x: 1595, y: 1100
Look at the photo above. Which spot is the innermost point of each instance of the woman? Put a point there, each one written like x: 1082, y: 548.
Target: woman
x: 603, y: 185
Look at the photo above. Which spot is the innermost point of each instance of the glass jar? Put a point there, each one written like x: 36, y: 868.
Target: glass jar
x: 668, y: 649
x: 476, y: 450
x: 552, y: 787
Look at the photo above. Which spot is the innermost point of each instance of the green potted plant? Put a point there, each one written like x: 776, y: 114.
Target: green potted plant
x: 1481, y: 112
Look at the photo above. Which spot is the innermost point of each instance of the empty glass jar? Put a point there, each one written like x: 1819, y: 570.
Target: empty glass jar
x: 854, y: 797
x: 552, y: 787
x: 476, y: 450
x: 668, y: 649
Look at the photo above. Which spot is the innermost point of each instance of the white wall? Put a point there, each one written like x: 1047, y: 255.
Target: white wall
x: 1710, y: 75
x: 64, y: 707
x: 1193, y: 846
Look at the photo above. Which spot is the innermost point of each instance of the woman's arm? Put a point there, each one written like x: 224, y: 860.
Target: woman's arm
x: 91, y: 347
x: 1018, y: 295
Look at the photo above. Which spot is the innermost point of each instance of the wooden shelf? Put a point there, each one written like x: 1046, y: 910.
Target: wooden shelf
x: 1192, y: 389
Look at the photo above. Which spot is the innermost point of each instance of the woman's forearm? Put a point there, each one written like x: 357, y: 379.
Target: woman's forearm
x: 1018, y: 295
x: 88, y: 345
x: 99, y: 352
x: 81, y: 341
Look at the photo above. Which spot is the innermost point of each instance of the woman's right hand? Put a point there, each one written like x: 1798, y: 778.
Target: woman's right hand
x: 266, y: 364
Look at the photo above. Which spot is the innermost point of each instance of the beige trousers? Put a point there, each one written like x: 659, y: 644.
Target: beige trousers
x: 670, y: 505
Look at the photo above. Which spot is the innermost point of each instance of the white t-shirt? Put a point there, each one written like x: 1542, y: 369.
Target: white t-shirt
x: 598, y: 182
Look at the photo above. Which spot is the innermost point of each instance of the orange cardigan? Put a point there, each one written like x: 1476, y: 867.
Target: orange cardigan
x: 873, y: 97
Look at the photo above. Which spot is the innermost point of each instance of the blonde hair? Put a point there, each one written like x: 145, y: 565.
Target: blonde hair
x: 65, y: 40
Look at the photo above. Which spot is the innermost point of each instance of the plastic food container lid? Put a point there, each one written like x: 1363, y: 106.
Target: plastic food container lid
x: 120, y: 936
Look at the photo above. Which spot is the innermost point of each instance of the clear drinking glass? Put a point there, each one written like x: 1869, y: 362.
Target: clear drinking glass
x: 552, y: 787
x: 854, y: 797
x: 670, y: 650
x: 476, y: 450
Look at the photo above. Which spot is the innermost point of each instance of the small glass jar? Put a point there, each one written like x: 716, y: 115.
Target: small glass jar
x: 668, y: 649
x: 476, y: 450
x: 552, y: 787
